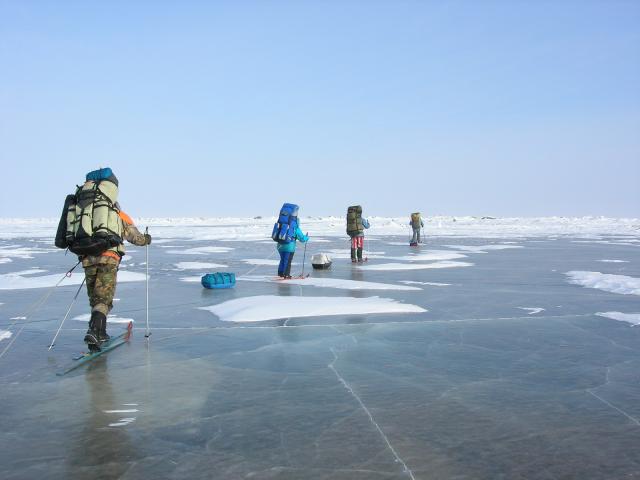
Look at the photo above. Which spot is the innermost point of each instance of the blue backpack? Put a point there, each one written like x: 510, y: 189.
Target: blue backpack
x: 284, y: 230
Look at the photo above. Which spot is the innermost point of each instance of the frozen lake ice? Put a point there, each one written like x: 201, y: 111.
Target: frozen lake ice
x: 505, y: 367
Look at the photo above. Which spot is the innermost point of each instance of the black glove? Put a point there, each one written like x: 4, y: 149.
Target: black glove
x: 147, y: 238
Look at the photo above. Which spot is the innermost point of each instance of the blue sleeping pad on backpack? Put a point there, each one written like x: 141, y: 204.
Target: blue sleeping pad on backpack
x: 101, y: 174
x: 218, y: 280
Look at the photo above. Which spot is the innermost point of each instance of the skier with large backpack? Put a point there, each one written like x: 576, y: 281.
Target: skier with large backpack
x: 286, y: 231
x: 94, y: 227
x: 356, y: 226
x: 416, y: 224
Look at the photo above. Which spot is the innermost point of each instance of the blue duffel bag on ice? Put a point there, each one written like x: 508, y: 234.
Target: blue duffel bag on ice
x: 219, y: 280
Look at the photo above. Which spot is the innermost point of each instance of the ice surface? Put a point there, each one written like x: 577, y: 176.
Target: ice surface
x: 471, y: 387
x: 329, y: 283
x: 270, y: 307
x: 433, y: 284
x: 428, y: 256
x: 198, y: 265
x: 607, y: 282
x: 200, y: 250
x: 482, y: 248
x: 261, y: 261
x: 413, y: 266
x: 632, y: 318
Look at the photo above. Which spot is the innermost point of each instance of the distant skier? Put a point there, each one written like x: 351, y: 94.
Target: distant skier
x: 286, y: 231
x: 416, y: 224
x: 356, y: 226
x: 94, y: 228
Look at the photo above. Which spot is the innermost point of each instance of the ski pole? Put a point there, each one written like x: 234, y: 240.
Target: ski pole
x: 304, y: 256
x: 33, y: 308
x: 148, y: 334
x: 75, y: 297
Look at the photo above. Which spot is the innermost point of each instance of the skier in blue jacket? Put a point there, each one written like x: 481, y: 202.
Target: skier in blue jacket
x: 287, y: 250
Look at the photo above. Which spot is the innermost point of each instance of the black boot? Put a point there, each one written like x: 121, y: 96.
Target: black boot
x: 100, y: 322
x: 91, y: 338
x: 353, y: 255
x: 103, y: 336
x: 359, y: 254
x: 97, y: 333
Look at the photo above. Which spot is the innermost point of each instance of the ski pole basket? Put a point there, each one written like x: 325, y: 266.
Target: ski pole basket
x: 219, y: 280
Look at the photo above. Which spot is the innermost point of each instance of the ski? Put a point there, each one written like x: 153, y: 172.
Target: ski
x: 84, y: 358
x: 295, y: 277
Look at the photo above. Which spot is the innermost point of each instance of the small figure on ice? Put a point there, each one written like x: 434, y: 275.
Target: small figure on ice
x: 356, y: 226
x: 286, y: 231
x: 416, y: 225
x: 94, y: 227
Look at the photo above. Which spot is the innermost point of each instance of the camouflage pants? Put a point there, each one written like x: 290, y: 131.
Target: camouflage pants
x: 101, y: 286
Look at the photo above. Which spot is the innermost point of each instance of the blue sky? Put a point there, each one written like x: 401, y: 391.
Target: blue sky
x: 209, y: 108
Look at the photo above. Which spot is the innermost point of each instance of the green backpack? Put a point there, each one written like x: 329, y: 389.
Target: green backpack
x: 354, y: 220
x: 90, y: 222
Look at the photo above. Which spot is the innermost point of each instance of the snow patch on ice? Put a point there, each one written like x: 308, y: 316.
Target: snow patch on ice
x: 433, y: 284
x: 198, y: 265
x: 532, y: 310
x: 414, y: 266
x: 329, y: 283
x: 8, y: 252
x: 607, y: 242
x: 632, y: 318
x: 270, y: 307
x: 605, y: 281
x: 191, y: 279
x: 85, y: 317
x: 21, y: 280
x: 4, y: 334
x: 613, y: 261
